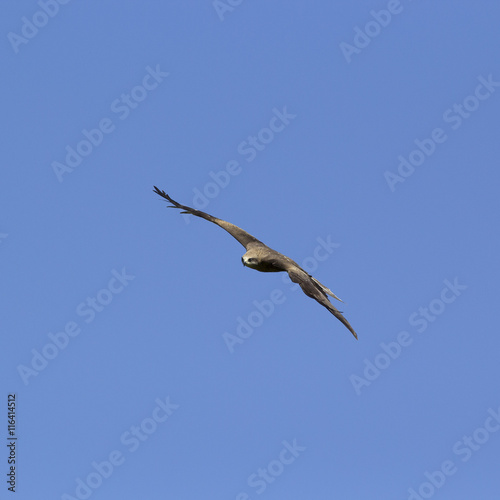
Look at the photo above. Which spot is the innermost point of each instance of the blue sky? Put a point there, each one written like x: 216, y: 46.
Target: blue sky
x: 359, y: 138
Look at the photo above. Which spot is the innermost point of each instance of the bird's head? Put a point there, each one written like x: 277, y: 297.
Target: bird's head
x: 250, y: 261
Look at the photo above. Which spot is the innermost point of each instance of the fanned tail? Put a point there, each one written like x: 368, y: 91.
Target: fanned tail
x: 325, y: 289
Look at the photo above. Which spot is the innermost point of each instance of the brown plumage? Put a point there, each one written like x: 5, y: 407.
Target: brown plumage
x: 262, y: 258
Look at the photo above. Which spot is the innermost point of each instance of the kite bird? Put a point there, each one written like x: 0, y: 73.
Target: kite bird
x: 262, y: 258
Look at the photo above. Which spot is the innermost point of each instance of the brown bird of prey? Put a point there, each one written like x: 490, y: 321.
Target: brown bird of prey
x: 262, y: 258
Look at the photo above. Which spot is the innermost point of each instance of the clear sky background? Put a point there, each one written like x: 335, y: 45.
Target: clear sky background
x: 146, y: 361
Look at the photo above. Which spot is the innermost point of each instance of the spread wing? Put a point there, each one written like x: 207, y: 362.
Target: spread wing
x: 243, y: 237
x: 313, y: 288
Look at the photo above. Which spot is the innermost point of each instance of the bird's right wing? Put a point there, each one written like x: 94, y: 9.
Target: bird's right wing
x: 239, y: 234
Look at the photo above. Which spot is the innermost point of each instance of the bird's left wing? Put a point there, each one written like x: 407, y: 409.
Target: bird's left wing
x: 311, y: 289
x: 236, y: 232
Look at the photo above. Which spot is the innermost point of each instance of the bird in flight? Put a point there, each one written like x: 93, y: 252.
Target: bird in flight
x: 262, y: 258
